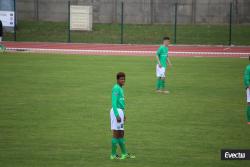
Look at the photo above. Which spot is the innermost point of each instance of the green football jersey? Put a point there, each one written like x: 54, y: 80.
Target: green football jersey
x: 247, y: 76
x: 117, y: 99
x: 162, y: 54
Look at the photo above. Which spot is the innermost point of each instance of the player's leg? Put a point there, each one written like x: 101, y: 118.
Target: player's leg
x: 115, y: 136
x: 125, y: 154
x: 248, y: 113
x: 163, y: 78
x: 121, y: 138
x: 2, y: 47
x: 248, y: 105
x: 158, y: 84
x: 115, y: 141
x: 122, y: 145
x: 163, y: 83
x: 163, y: 86
x: 122, y: 142
x: 158, y: 75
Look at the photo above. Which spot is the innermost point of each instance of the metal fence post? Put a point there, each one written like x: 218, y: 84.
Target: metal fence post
x: 122, y: 22
x: 15, y: 20
x: 230, y: 24
x: 175, y: 22
x: 69, y: 35
x: 36, y: 6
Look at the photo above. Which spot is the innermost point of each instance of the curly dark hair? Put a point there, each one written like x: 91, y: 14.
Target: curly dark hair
x: 119, y: 75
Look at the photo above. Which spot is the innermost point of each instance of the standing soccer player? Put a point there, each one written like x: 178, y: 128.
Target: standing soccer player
x: 1, y: 30
x: 117, y: 117
x: 2, y: 48
x: 162, y: 62
x: 247, y: 86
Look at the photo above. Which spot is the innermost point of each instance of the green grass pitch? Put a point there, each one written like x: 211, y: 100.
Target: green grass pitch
x: 54, y: 111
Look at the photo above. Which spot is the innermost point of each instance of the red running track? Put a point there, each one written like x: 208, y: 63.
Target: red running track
x: 128, y: 50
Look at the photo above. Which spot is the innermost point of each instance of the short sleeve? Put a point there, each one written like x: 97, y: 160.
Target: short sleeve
x: 158, y: 51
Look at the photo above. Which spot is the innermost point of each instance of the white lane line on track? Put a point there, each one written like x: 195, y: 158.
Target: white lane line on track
x: 125, y: 51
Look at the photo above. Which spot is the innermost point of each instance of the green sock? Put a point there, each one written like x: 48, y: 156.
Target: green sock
x: 163, y: 84
x: 158, y: 84
x: 248, y: 113
x: 114, y: 145
x: 122, y: 145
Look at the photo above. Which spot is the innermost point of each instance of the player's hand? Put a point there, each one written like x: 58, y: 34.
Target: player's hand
x: 118, y: 118
x: 248, y: 87
x: 160, y: 65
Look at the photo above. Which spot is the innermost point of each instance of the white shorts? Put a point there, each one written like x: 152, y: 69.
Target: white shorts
x: 248, y: 95
x: 160, y: 72
x: 114, y: 124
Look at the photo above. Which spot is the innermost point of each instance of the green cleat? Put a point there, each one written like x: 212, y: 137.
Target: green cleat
x: 112, y: 157
x: 125, y: 156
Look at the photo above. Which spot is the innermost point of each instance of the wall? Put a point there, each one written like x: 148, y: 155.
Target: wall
x: 140, y: 11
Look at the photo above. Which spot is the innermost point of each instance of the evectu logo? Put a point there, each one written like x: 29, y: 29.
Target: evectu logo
x: 227, y: 154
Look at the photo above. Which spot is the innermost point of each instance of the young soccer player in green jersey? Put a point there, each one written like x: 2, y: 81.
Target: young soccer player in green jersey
x: 118, y: 118
x: 163, y: 61
x: 247, y: 86
x: 2, y: 48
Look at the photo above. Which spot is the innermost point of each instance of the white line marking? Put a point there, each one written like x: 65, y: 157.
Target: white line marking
x: 126, y: 51
x: 226, y: 48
